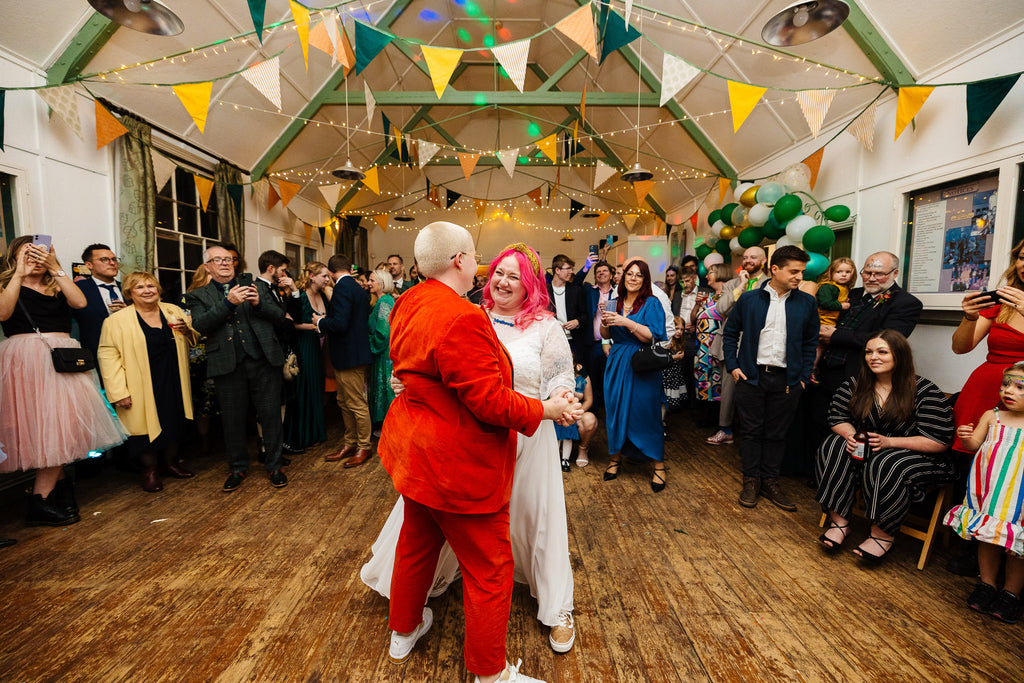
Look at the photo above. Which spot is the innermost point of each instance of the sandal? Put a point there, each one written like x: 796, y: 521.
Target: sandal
x: 608, y: 473
x: 581, y: 457
x: 874, y: 559
x: 831, y: 545
x: 658, y: 480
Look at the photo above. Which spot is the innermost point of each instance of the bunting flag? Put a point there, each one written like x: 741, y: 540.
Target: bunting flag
x: 204, y: 187
x: 441, y: 63
x: 617, y: 34
x: 63, y: 100
x: 629, y: 9
x: 512, y: 57
x: 345, y: 55
x: 353, y: 222
x: 983, y: 98
x: 910, y: 101
x: 235, y: 192
x: 629, y: 219
x: 427, y: 151
x: 266, y: 77
x: 814, y: 163
x: 432, y: 195
x: 287, y: 191
x: 534, y: 194
x: 372, y: 180
x: 548, y: 145
x: 3, y: 97
x: 163, y: 169
x: 301, y: 16
x: 371, y: 103
x: 602, y: 216
x: 331, y: 193
x: 108, y: 128
x: 369, y: 43
x: 272, y: 197
x: 196, y: 99
x: 602, y: 172
x: 742, y: 99
x: 863, y: 128
x: 257, y: 8
x: 642, y: 188
x: 382, y: 220
x: 508, y: 159
x: 468, y: 162
x: 814, y: 104
x: 322, y: 230
x: 451, y: 197
x: 309, y: 232
x: 481, y: 208
x: 675, y: 74
x: 579, y: 28
x: 386, y: 127
x: 571, y: 146
x: 693, y: 220
x: 574, y: 207
x: 331, y: 21
x: 552, y: 189
x: 723, y: 186
x: 320, y: 36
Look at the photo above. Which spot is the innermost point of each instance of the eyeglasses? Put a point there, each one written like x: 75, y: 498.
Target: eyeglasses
x: 107, y: 259
x: 476, y: 257
x: 872, y: 275
x: 634, y: 276
x: 222, y: 259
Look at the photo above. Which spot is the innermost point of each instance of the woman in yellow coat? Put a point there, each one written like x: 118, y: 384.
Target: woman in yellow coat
x: 143, y: 358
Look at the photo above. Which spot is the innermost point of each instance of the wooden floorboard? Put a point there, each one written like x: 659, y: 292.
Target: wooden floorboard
x: 192, y: 584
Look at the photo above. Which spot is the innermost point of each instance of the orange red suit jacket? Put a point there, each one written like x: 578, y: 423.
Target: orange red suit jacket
x: 449, y: 439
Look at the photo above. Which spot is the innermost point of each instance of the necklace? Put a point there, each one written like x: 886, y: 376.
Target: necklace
x: 502, y: 322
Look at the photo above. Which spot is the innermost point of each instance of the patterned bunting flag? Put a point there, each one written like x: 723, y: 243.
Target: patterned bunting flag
x: 372, y: 180
x: 287, y: 191
x: 369, y: 43
x: 642, y: 188
x: 468, y: 163
x: 814, y: 104
x: 427, y: 151
x: 983, y: 97
x: 204, y: 187
x: 675, y: 74
x: 814, y: 163
x: 163, y: 168
x: 108, y: 128
x: 272, y: 196
x: 196, y: 99
x: 548, y: 145
x: 863, y: 128
x: 451, y: 197
x: 909, y: 102
x: 574, y: 207
x: 629, y: 9
x: 512, y: 57
x: 742, y: 99
x: 579, y: 28
x: 301, y: 16
x: 382, y: 220
x: 441, y: 63
x: 63, y: 100
x: 266, y: 77
x: 331, y: 193
x: 508, y: 158
x: 257, y: 8
x: 617, y: 34
x: 602, y: 172
x: 371, y: 103
x: 534, y: 194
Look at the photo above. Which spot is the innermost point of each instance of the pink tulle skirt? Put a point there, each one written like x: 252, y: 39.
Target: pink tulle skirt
x: 49, y: 418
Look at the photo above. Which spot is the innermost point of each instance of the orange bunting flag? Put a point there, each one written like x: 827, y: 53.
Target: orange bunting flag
x: 583, y: 105
x: 382, y: 221
x: 643, y: 188
x: 579, y: 28
x: 301, y: 16
x: 272, y: 196
x: 345, y: 55
x: 909, y: 103
x: 602, y: 216
x: 693, y: 220
x: 549, y: 144
x: 481, y: 206
x: 534, y: 194
x: 372, y: 180
x: 309, y: 232
x: 468, y: 163
x: 204, y: 186
x: 742, y: 99
x: 196, y: 99
x: 108, y: 128
x: 723, y: 186
x: 287, y: 191
x: 321, y: 39
x: 814, y: 163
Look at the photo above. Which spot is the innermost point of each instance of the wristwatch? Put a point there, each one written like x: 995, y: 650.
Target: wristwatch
x: 60, y: 273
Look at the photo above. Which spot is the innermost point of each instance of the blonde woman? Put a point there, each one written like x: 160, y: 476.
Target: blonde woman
x: 382, y: 287
x: 304, y: 424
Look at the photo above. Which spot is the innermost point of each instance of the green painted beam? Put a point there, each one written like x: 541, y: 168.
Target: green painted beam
x: 553, y: 79
x: 874, y: 47
x: 82, y: 48
x: 510, y: 98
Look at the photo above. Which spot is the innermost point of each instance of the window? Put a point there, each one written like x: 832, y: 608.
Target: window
x: 183, y: 232
x: 298, y: 256
x: 6, y: 209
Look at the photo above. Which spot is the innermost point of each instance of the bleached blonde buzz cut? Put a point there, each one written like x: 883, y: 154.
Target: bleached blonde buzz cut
x: 437, y: 243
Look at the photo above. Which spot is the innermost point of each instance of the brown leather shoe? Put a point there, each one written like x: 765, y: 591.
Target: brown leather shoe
x: 151, y: 482
x: 361, y: 456
x: 770, y: 489
x: 178, y: 471
x: 341, y: 455
x: 751, y: 487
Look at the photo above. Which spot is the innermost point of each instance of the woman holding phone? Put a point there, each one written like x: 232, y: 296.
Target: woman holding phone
x: 47, y: 419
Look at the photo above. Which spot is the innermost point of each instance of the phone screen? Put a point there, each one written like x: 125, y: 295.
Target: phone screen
x: 593, y: 249
x: 42, y: 241
x: 245, y: 279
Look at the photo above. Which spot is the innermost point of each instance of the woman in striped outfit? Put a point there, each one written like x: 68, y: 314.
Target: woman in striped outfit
x: 910, y: 427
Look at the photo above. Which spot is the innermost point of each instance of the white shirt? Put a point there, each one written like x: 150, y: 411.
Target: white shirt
x: 771, y: 346
x: 670, y: 320
x: 105, y: 293
x: 686, y: 304
x: 274, y: 289
x: 560, y: 312
x: 607, y: 298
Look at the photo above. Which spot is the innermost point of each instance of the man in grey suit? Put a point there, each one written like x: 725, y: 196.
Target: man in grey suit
x: 244, y: 359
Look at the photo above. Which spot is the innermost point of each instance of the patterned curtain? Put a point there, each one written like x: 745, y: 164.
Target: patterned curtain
x: 227, y: 183
x: 137, y: 198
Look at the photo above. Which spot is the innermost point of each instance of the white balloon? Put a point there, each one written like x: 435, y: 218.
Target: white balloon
x: 713, y: 258
x: 740, y: 189
x: 716, y: 228
x: 797, y: 177
x: 735, y: 246
x: 796, y: 228
x: 784, y: 241
x: 758, y: 214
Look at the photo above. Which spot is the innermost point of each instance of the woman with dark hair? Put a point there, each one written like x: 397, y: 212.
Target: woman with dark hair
x: 632, y: 400
x: 909, y: 426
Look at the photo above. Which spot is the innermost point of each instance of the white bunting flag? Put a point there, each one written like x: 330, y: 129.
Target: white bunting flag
x: 629, y: 8
x: 814, y: 104
x: 863, y: 128
x: 512, y: 57
x: 266, y: 77
x: 675, y: 74
x: 508, y: 158
x: 602, y: 172
x: 331, y: 22
x: 371, y: 103
x: 427, y: 151
x: 63, y: 100
x: 163, y: 169
x: 331, y: 193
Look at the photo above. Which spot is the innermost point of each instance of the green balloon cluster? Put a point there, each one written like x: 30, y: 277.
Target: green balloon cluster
x: 750, y: 237
x: 722, y: 247
x: 714, y: 216
x: 773, y: 230
x: 787, y: 208
x: 837, y: 213
x: 819, y: 239
x: 703, y: 250
x: 726, y: 214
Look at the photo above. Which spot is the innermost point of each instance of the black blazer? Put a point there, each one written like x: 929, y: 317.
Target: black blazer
x: 347, y: 325
x: 91, y: 318
x: 576, y: 308
x: 900, y: 313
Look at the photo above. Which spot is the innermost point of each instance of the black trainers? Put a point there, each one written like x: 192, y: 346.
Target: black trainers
x: 1006, y: 607
x: 566, y: 467
x: 770, y: 490
x: 233, y: 481
x: 751, y: 487
x: 982, y: 598
x: 277, y: 479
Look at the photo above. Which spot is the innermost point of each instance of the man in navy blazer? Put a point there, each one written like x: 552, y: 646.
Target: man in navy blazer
x: 102, y: 292
x: 348, y: 338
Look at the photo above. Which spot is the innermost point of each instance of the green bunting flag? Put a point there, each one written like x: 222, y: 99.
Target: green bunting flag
x: 369, y: 43
x: 451, y: 197
x: 322, y: 230
x: 617, y: 34
x: 3, y: 94
x: 386, y: 122
x: 235, y: 192
x: 257, y: 8
x: 983, y: 98
x: 574, y: 207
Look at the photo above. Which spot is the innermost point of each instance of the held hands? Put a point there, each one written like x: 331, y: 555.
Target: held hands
x: 571, y: 325
x: 396, y: 385
x: 562, y: 407
x: 125, y: 402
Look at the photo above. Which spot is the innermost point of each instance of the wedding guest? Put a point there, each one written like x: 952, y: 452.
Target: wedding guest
x: 102, y: 293
x: 380, y: 392
x: 304, y: 424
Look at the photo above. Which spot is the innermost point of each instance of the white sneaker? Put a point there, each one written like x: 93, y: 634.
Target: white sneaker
x: 719, y: 437
x: 563, y: 634
x: 512, y: 675
x: 401, y: 646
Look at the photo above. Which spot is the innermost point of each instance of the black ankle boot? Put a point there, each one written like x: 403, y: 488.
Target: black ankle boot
x: 63, y: 498
x: 43, y: 512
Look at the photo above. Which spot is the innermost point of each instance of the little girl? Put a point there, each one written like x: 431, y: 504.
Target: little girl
x: 584, y: 427
x: 834, y: 293
x: 992, y: 511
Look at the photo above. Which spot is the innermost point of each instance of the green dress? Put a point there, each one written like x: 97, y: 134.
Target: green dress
x: 381, y: 394
x: 304, y: 422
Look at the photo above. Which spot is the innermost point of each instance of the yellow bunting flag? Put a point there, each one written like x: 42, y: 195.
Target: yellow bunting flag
x: 287, y: 191
x: 309, y: 232
x: 630, y: 220
x: 468, y: 162
x: 602, y: 216
x: 579, y: 27
x: 814, y: 163
x: 196, y: 99
x: 723, y: 186
x: 534, y: 194
x: 643, y: 188
x: 372, y: 180
x: 301, y: 16
x: 272, y: 196
x: 441, y: 63
x: 549, y: 144
x: 481, y: 206
x: 583, y: 105
x: 204, y: 186
x: 382, y: 221
x: 742, y: 99
x: 108, y: 128
x: 909, y: 103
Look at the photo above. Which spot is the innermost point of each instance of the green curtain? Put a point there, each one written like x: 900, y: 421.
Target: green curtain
x: 137, y: 198
x: 230, y: 216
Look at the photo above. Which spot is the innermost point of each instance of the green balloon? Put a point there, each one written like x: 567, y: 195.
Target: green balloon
x: 722, y: 247
x: 702, y: 270
x: 772, y: 229
x: 787, y: 208
x: 819, y: 239
x: 703, y: 250
x: 714, y: 216
x: 726, y: 215
x: 750, y: 237
x: 839, y: 212
x: 816, y: 266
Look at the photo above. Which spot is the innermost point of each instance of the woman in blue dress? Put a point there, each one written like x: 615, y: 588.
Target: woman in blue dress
x: 633, y: 400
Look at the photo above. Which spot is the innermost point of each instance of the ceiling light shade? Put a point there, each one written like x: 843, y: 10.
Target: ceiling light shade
x: 804, y: 22
x: 568, y: 238
x: 147, y: 16
x: 636, y: 173
x: 590, y: 213
x: 403, y: 218
x: 348, y: 172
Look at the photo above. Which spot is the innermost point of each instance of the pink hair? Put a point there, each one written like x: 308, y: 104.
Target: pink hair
x: 535, y: 305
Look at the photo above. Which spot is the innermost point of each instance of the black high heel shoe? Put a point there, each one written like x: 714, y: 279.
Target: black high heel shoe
x: 870, y: 558
x: 658, y: 486
x: 608, y: 474
x: 831, y: 546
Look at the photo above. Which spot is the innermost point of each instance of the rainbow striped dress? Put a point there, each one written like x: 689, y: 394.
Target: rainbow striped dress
x: 993, y: 510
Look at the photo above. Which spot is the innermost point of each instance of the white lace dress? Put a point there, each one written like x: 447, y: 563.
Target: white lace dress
x: 540, y: 539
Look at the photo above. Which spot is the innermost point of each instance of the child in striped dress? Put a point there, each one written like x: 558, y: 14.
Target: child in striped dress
x: 993, y: 509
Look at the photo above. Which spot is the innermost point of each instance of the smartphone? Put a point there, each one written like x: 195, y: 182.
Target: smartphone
x: 42, y: 241
x: 992, y: 296
x: 244, y: 279
x: 593, y: 249
x: 611, y: 240
x: 601, y: 243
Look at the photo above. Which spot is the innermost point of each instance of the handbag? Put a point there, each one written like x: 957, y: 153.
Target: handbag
x: 64, y: 358
x: 290, y: 369
x: 651, y: 359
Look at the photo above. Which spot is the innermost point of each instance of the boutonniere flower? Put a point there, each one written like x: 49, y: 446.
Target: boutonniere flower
x: 882, y: 298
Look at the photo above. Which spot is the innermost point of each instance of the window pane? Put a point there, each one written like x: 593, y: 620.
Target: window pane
x: 292, y: 252
x: 186, y: 186
x: 188, y: 219
x: 193, y: 254
x: 167, y: 190
x: 170, y: 280
x: 208, y: 224
x: 164, y: 213
x: 310, y: 255
x: 167, y: 253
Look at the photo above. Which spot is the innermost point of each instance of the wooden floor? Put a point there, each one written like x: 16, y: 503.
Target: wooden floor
x: 192, y: 584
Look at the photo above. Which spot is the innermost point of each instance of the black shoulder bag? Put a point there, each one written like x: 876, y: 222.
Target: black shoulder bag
x: 65, y: 358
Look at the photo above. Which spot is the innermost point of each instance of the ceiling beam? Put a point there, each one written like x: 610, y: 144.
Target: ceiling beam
x: 489, y: 97
x: 553, y: 79
x: 82, y: 48
x: 875, y: 48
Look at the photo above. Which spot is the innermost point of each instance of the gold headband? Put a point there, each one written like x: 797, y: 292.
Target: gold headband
x: 527, y: 252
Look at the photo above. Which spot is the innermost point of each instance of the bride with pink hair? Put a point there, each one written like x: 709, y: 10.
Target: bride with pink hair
x: 516, y: 300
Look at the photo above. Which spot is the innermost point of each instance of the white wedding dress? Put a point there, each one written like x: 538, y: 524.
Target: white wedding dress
x: 542, y: 362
